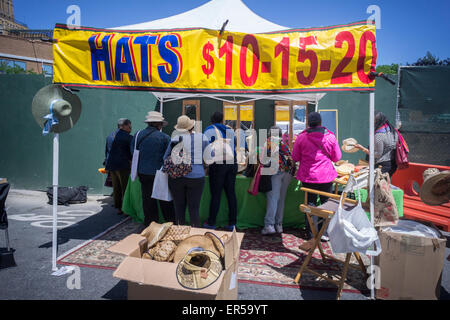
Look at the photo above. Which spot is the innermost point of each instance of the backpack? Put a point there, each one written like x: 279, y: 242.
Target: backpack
x: 68, y: 195
x: 179, y: 169
x: 221, y: 149
x: 401, y: 152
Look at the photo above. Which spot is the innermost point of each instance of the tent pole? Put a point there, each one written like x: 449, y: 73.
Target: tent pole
x: 161, y: 106
x: 371, y: 174
x: 55, y: 199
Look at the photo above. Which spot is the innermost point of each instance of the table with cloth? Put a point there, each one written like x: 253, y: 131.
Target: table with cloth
x: 251, y: 209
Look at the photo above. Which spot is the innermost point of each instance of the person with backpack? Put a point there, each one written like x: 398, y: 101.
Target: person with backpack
x: 187, y: 188
x: 118, y: 160
x: 222, y: 173
x: 386, y: 143
x: 152, y: 144
x: 316, y: 148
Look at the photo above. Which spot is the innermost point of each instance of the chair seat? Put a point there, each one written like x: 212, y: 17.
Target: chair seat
x: 332, y: 205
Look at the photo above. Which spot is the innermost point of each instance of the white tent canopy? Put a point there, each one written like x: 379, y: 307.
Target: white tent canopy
x: 212, y: 15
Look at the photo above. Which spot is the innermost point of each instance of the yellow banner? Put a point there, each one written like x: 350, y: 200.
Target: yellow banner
x: 201, y: 60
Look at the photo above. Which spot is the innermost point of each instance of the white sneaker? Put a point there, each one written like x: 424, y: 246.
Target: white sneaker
x: 268, y: 230
x: 279, y: 228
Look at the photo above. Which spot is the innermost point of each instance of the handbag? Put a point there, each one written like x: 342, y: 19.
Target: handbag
x: 254, y: 184
x: 265, y: 183
x: 386, y: 213
x: 161, y: 189
x: 401, y: 152
x: 351, y: 231
x: 181, y: 167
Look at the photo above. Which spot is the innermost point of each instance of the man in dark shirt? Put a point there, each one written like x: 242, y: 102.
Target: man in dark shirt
x: 152, y: 145
x: 118, y: 160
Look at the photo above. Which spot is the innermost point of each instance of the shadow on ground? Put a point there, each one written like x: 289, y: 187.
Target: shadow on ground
x: 91, y: 226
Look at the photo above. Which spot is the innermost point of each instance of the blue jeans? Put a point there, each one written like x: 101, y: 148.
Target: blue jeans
x: 276, y: 198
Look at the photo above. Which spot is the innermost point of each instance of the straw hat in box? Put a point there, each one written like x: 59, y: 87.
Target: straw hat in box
x: 209, y: 241
x: 155, y: 232
x: 199, y: 269
x: 435, y: 189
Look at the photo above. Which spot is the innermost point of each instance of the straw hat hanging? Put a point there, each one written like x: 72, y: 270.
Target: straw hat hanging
x: 435, y: 189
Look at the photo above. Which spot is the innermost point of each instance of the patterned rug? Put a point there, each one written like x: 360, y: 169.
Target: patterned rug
x: 266, y: 260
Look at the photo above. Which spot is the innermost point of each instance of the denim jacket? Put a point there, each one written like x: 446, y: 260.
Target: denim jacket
x: 152, y: 144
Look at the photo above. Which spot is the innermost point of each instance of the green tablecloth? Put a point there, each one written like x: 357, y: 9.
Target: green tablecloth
x: 251, y: 209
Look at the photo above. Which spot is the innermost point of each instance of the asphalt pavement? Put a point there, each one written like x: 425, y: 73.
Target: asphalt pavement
x: 30, y: 232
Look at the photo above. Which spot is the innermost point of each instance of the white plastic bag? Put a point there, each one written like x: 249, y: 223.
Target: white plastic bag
x: 161, y: 187
x: 135, y: 161
x: 351, y: 231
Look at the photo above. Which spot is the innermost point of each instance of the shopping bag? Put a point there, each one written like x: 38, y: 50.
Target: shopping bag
x: 386, y: 213
x: 254, y: 185
x: 161, y: 187
x: 135, y: 161
x: 351, y: 231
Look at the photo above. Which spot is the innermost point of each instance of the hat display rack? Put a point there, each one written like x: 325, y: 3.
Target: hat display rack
x: 56, y: 109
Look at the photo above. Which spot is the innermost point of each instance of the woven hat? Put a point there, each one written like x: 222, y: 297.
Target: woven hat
x: 203, y: 242
x: 199, y: 269
x: 345, y: 168
x: 217, y: 243
x: 348, y: 145
x: 155, y: 232
x: 63, y: 105
x: 184, y: 124
x: 435, y: 189
x: 155, y: 116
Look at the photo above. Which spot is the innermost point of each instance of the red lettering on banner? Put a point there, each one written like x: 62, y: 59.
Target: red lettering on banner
x: 339, y: 76
x: 362, y: 75
x: 283, y: 48
x: 249, y: 39
x: 310, y: 55
x: 227, y: 50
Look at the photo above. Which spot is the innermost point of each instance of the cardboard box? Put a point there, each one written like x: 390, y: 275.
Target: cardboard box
x: 153, y: 280
x: 410, y: 266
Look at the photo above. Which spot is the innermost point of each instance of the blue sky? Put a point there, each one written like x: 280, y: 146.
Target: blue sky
x: 408, y: 28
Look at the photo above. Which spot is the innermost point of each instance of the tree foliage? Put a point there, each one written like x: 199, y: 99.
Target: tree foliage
x: 388, y: 69
x: 430, y: 60
x: 5, y: 68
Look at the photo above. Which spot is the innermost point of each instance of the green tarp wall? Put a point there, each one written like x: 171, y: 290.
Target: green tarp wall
x: 26, y: 155
x: 424, y: 109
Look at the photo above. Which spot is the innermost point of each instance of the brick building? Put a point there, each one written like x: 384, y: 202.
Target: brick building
x: 21, y: 47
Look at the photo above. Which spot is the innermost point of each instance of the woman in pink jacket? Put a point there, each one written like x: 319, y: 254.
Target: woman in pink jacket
x: 316, y: 149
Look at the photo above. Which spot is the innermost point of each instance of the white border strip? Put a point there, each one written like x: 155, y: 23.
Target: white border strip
x: 5, y: 55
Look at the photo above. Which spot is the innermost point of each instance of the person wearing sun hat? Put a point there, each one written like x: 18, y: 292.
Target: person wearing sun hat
x: 152, y: 143
x: 187, y: 191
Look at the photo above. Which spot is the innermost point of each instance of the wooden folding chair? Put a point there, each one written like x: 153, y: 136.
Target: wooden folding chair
x: 326, y: 211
